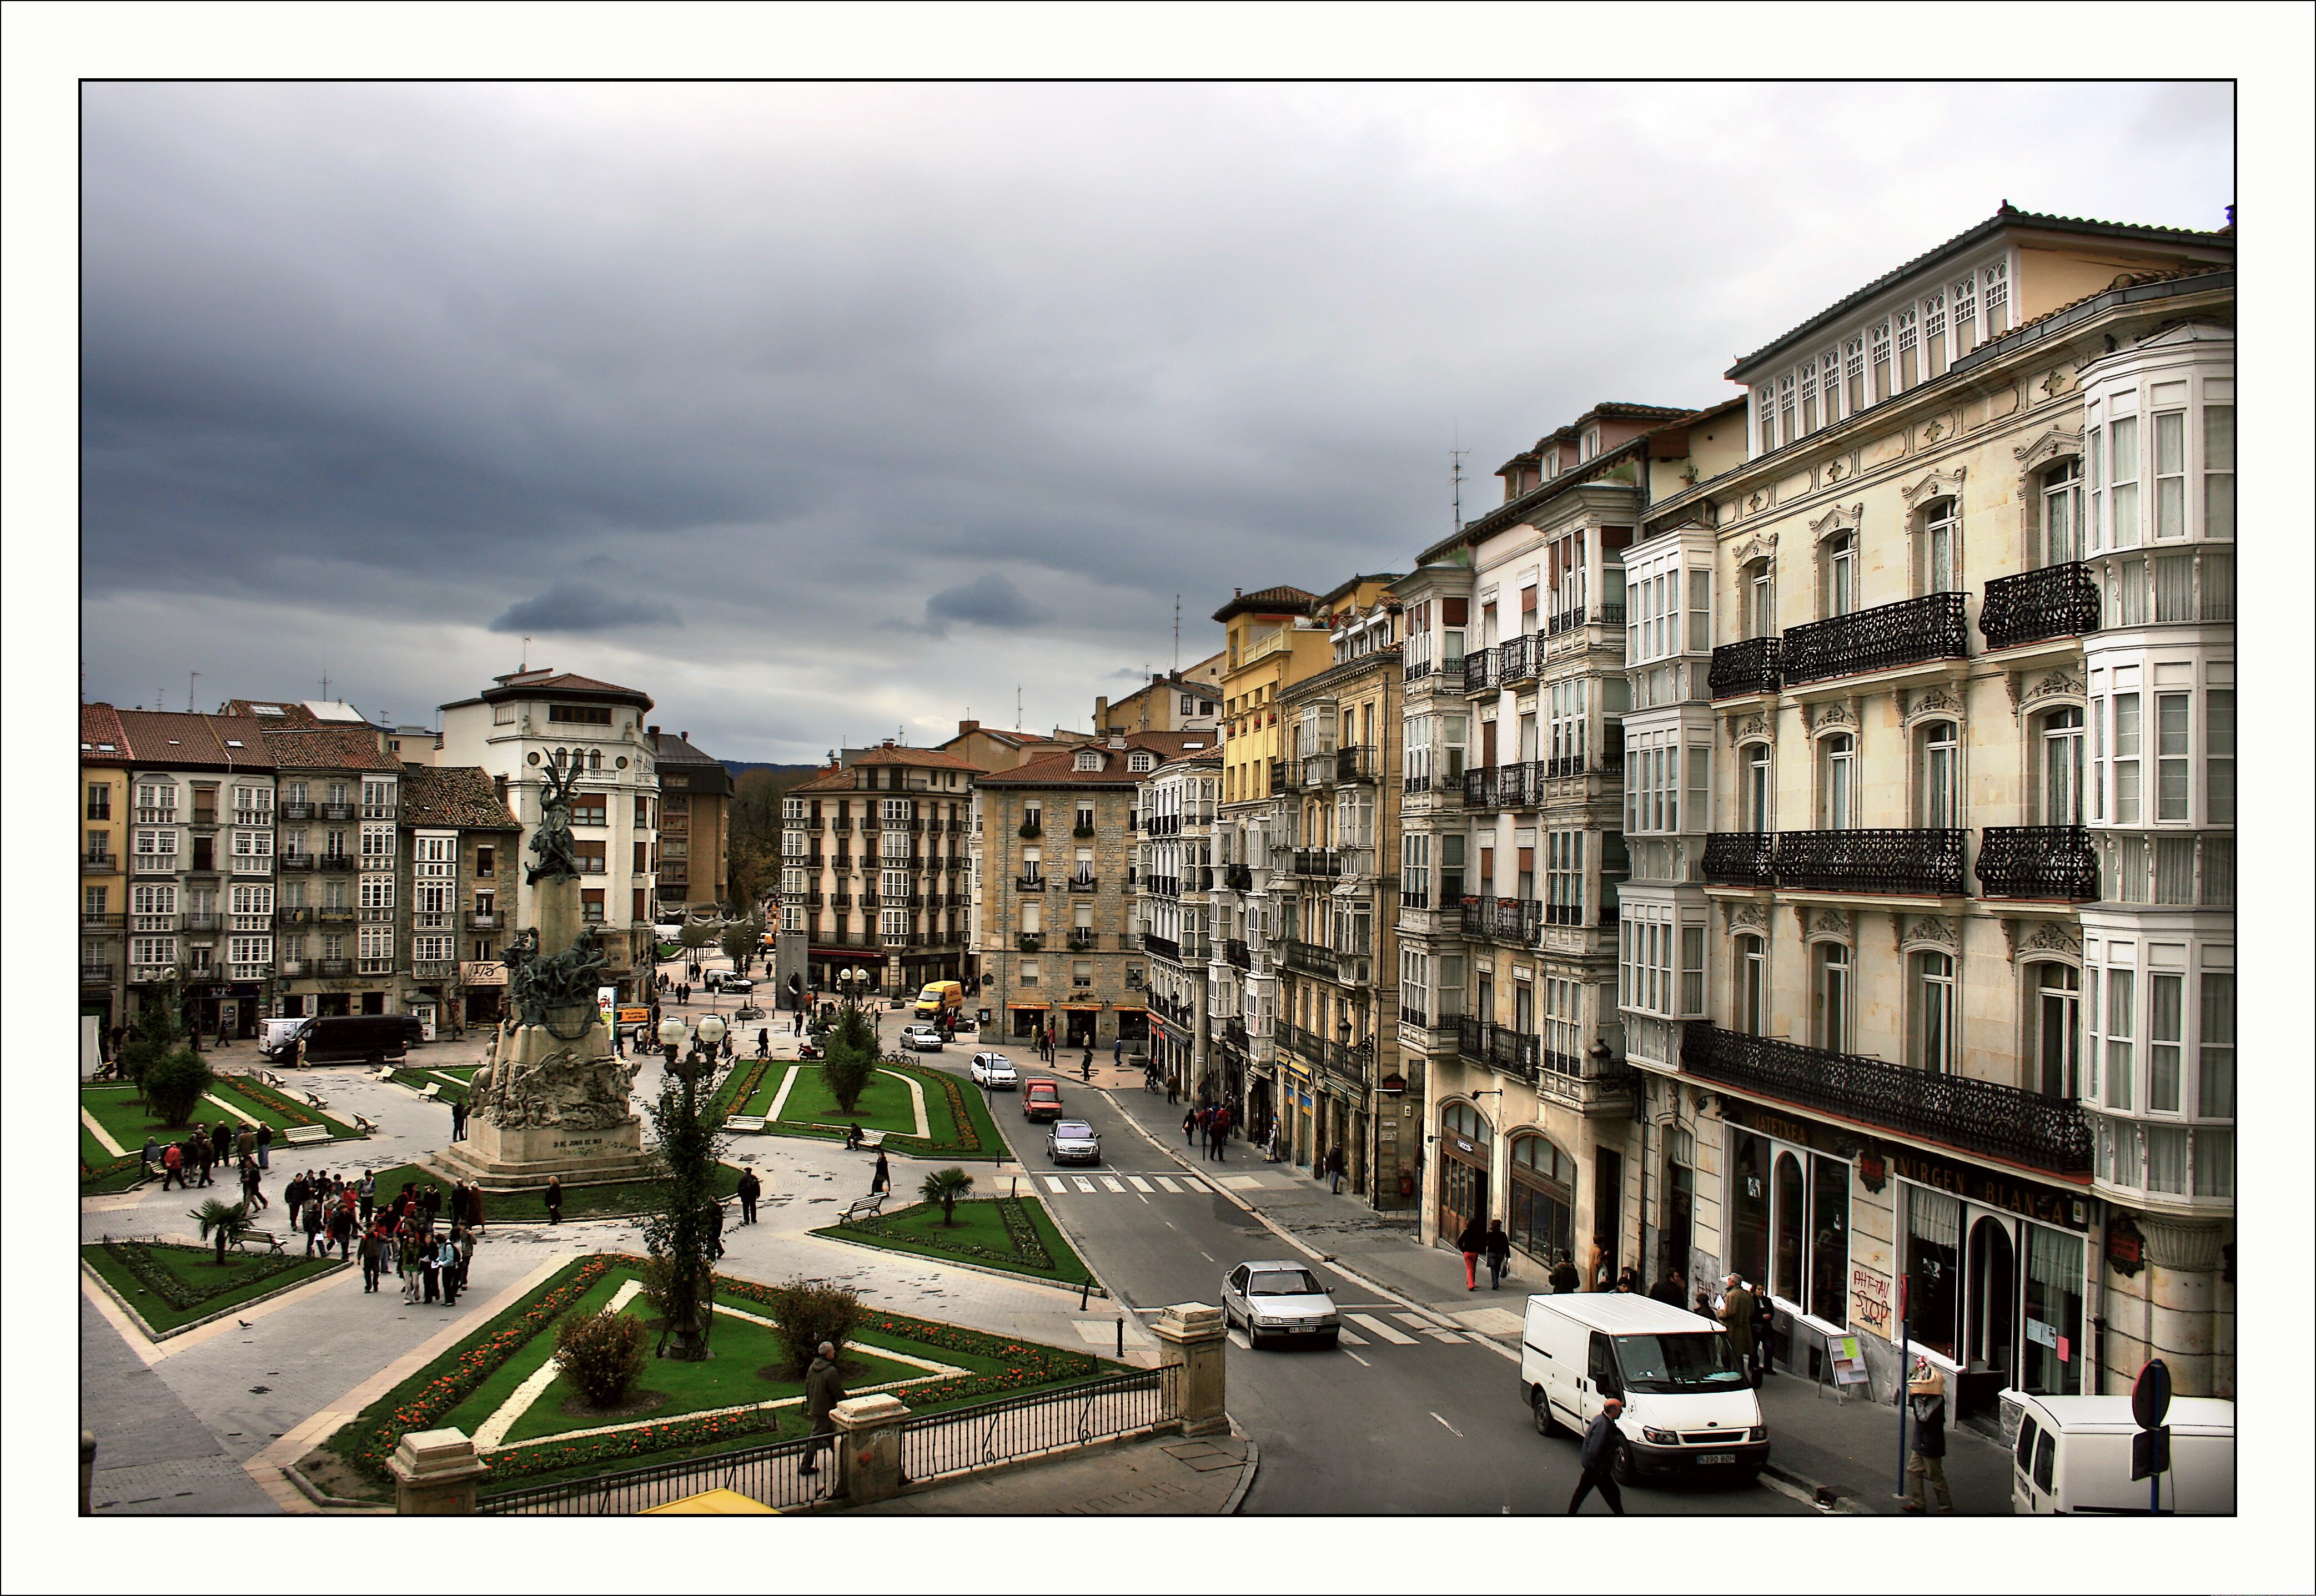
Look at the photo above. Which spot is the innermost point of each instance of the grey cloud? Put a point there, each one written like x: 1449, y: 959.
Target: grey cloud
x: 573, y: 606
x: 990, y: 600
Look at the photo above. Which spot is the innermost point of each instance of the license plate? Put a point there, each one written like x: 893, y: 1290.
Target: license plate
x: 1718, y: 1457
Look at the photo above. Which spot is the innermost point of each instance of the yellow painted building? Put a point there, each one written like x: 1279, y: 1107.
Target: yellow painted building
x: 103, y: 804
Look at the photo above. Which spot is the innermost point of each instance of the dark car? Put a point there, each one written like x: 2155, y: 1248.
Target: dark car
x: 353, y: 1039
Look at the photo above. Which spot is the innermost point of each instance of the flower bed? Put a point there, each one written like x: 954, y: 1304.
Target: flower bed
x: 116, y: 1174
x: 171, y: 1286
x: 296, y: 1113
x: 740, y: 1085
x: 182, y: 1294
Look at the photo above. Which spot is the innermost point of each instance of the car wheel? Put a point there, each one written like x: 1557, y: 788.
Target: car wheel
x: 1621, y: 1465
x: 1545, y: 1424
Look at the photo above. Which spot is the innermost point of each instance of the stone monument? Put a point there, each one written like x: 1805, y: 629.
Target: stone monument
x: 552, y: 1097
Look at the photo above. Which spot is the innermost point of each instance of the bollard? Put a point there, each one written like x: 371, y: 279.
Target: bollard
x: 1121, y: 1338
x: 88, y: 1468
x: 435, y: 1473
x: 1084, y: 1286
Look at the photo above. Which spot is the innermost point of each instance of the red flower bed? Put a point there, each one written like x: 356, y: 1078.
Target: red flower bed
x: 258, y: 1091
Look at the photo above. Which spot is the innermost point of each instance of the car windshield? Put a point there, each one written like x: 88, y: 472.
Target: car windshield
x: 1284, y: 1282
x: 1698, y: 1361
x: 1072, y: 1127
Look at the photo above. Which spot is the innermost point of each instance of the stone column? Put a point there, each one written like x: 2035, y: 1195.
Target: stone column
x: 868, y: 1448
x: 1191, y: 1337
x: 435, y: 1472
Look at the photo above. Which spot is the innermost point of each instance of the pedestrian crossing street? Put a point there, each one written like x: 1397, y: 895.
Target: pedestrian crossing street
x: 1389, y: 1329
x: 1147, y: 1185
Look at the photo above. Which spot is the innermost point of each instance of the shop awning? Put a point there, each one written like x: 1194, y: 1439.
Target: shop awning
x: 848, y: 955
x: 1040, y: 1005
x: 1128, y: 1009
x: 1081, y: 1007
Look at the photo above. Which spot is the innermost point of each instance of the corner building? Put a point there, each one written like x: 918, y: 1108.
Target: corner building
x: 1957, y: 1040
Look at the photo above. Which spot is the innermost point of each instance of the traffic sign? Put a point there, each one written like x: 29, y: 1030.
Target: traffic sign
x: 2150, y: 1395
x: 2150, y: 1453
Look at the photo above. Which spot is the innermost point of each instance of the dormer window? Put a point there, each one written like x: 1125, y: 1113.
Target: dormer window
x: 1551, y: 464
x: 1141, y: 764
x: 1087, y: 760
x: 1591, y: 444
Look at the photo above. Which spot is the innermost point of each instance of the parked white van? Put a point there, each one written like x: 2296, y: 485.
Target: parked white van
x: 2074, y: 1456
x: 1688, y: 1402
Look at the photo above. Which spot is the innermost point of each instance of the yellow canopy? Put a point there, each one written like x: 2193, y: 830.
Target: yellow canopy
x: 717, y: 1501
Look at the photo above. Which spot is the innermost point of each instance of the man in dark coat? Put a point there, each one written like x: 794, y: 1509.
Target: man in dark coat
x: 1671, y: 1291
x: 1599, y: 1458
x: 712, y: 1212
x: 1926, y: 1400
x: 750, y: 1189
x: 823, y: 1389
x: 1499, y: 1253
x: 294, y: 1194
x: 1737, y: 1318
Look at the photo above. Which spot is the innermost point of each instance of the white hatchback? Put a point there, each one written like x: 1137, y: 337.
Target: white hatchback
x: 995, y: 1072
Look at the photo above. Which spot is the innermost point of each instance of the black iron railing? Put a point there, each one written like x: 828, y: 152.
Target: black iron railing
x: 2055, y: 861
x: 1518, y: 658
x: 1476, y: 678
x: 2057, y: 602
x: 1884, y: 638
x: 1978, y: 1116
x: 1165, y: 947
x: 1236, y: 953
x: 1480, y: 787
x: 1474, y: 921
x: 1741, y: 669
x: 769, y: 1474
x: 1922, y: 861
x: 1742, y: 858
x: 1355, y: 764
x: 1310, y: 957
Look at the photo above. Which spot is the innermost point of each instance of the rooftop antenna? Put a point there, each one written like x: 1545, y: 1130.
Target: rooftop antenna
x: 1455, y: 476
x: 1177, y: 632
x: 1017, y: 706
x: 525, y: 663
x: 192, y: 677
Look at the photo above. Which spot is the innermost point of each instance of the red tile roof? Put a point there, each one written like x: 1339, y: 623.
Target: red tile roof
x: 1058, y: 769
x: 102, y: 740
x: 934, y: 758
x: 1278, y: 600
x: 162, y: 739
x: 460, y: 796
x: 328, y: 748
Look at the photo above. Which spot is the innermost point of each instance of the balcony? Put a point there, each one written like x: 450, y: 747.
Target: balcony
x: 1912, y: 861
x: 100, y: 864
x: 2054, y: 862
x: 1742, y: 858
x: 1235, y: 1033
x: 1030, y: 828
x: 295, y: 969
x: 1236, y: 954
x: 1029, y: 884
x: 1324, y: 864
x: 1084, y: 884
x: 203, y: 922
x: 480, y: 920
x: 103, y: 922
x: 1741, y: 670
x: 1083, y: 939
x: 334, y: 862
x: 296, y: 811
x: 295, y: 916
x: 96, y: 975
x: 1284, y: 775
x: 1162, y: 886
x: 1498, y: 1047
x: 1238, y: 878
x: 336, y: 913
x: 1311, y: 958
x: 333, y: 967
x: 2057, y: 602
x: 1887, y: 637
x: 1477, y: 676
x: 337, y: 811
x: 1982, y: 1117
x: 293, y: 861
x: 1165, y: 947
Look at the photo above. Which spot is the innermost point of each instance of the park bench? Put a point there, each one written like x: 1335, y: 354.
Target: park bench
x: 384, y: 1072
x: 264, y: 1238
x: 318, y: 1100
x: 368, y: 1126
x: 299, y: 1135
x: 865, y: 1208
x: 753, y: 1122
x: 430, y: 1091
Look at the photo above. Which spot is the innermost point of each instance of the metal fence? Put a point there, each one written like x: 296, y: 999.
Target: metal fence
x: 766, y: 1473
x: 1013, y: 1427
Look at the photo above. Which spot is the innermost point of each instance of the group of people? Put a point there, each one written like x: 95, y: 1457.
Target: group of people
x: 1209, y: 1127
x: 246, y: 1149
x: 407, y: 1234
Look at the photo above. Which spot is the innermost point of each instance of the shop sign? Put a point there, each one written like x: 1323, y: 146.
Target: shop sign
x: 1869, y: 1301
x: 1821, y: 1138
x: 1873, y: 1172
x: 1392, y: 1085
x: 2125, y: 1247
x: 1992, y: 1189
x: 634, y: 1016
x: 482, y: 973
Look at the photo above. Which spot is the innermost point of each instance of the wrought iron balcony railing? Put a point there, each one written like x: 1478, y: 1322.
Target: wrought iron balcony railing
x: 1355, y: 764
x: 2050, y: 861
x: 1979, y: 1117
x: 2057, y: 602
x: 1478, y: 676
x: 337, y: 811
x: 1236, y: 952
x: 1910, y: 632
x: 1741, y: 669
x: 1165, y: 947
x: 1029, y: 884
x: 1517, y: 658
x: 1919, y: 861
x: 1309, y: 957
x: 1480, y: 787
x: 333, y: 967
x: 295, y: 811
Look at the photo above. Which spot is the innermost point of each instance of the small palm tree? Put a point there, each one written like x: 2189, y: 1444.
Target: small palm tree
x: 946, y: 1186
x: 228, y: 1222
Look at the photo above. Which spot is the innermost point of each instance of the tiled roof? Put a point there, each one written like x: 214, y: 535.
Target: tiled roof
x: 328, y: 748
x: 827, y: 781
x: 1277, y: 601
x: 163, y: 739
x: 1058, y: 769
x: 534, y: 683
x: 460, y: 795
x: 102, y: 741
x: 672, y: 748
x: 285, y: 712
x: 1970, y: 237
x: 936, y: 758
x: 2128, y: 280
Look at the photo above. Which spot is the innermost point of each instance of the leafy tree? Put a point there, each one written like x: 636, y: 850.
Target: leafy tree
x: 227, y: 1222
x: 600, y: 1353
x: 174, y: 1086
x: 851, y: 1057
x: 681, y: 1281
x: 155, y: 1034
x: 807, y: 1312
x: 696, y: 935
x: 743, y: 939
x: 947, y: 1187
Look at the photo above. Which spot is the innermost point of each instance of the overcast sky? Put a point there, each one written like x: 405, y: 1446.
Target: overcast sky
x: 818, y: 412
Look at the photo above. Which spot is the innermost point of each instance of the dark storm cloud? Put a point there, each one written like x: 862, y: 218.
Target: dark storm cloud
x: 406, y: 369
x: 583, y: 607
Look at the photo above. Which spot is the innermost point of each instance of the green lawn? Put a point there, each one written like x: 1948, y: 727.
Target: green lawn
x: 178, y: 1284
x: 453, y: 1082
x: 118, y: 1110
x: 94, y: 1153
x: 1029, y: 1244
x: 528, y: 1207
x: 886, y: 1106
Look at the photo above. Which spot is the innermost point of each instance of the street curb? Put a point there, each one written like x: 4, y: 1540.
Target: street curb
x: 830, y: 1234
x: 1246, y: 1475
x: 1802, y: 1488
x: 1013, y: 1155
x: 1437, y: 1319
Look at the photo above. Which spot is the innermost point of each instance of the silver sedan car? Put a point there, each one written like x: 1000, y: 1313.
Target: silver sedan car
x: 1073, y: 1141
x: 1282, y: 1299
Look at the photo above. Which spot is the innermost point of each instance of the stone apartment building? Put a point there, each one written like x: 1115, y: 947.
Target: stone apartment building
x: 342, y: 905
x: 1061, y: 944
x: 695, y: 827
x: 1948, y: 1019
x: 462, y: 846
x: 1337, y: 1080
x: 873, y: 860
x: 103, y: 805
x: 1174, y: 700
x: 1174, y: 819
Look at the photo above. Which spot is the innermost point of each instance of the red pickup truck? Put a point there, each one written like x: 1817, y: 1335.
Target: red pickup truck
x: 1041, y: 1100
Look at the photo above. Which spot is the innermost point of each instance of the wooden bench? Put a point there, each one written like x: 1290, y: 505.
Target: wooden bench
x: 866, y: 1207
x: 264, y: 1238
x: 430, y: 1091
x: 751, y: 1122
x: 301, y: 1135
x: 318, y: 1100
x: 368, y: 1126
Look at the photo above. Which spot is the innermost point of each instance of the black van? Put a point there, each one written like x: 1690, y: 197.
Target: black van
x: 364, y: 1038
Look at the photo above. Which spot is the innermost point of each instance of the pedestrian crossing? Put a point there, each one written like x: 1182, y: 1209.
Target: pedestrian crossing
x: 1374, y: 1330
x: 1179, y: 1185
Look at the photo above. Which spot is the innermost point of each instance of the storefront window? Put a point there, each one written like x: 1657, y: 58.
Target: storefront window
x: 1791, y: 1204
x: 1748, y: 1201
x: 1933, y: 1267
x: 1828, y: 1298
x: 1543, y: 1198
x: 2054, y: 1312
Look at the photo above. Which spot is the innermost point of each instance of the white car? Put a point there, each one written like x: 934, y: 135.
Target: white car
x: 1279, y: 1298
x: 920, y: 1039
x: 995, y: 1072
x: 1073, y: 1141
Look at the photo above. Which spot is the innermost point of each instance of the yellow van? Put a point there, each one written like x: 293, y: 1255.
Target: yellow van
x: 940, y: 998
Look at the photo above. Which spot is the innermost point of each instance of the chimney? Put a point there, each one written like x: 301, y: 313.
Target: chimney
x: 965, y: 727
x: 1101, y: 711
x: 683, y: 737
x: 653, y: 730
x: 1117, y: 739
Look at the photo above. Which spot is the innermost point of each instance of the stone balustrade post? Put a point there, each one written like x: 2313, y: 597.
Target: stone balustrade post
x: 1190, y: 1337
x: 435, y: 1472
x: 868, y: 1447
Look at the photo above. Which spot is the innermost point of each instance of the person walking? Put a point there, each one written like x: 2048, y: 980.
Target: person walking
x: 253, y: 1185
x: 712, y: 1211
x: 264, y: 1145
x: 149, y: 1157
x: 1926, y: 1400
x: 1190, y: 1127
x: 172, y: 1166
x: 1563, y: 1274
x: 1335, y: 1168
x: 555, y: 1200
x: 880, y: 1178
x: 1500, y: 1253
x: 204, y: 1157
x: 1222, y: 1133
x: 342, y: 1227
x: 220, y: 1139
x: 294, y: 1194
x: 245, y: 1143
x: 763, y: 1041
x: 1085, y: 1064
x: 369, y: 1261
x: 429, y: 1267
x: 823, y: 1389
x: 1597, y: 1458
x: 1472, y: 1243
x: 446, y: 1265
x: 313, y: 1228
x: 1737, y: 1318
x: 1765, y: 1337
x: 405, y: 1250
x: 466, y: 1254
x: 750, y: 1189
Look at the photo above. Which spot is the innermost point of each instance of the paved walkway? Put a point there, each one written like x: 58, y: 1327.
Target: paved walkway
x: 153, y: 1455
x: 1157, y: 1476
x: 1851, y: 1447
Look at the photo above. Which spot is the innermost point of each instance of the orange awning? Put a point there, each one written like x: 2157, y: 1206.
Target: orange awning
x: 1028, y: 1005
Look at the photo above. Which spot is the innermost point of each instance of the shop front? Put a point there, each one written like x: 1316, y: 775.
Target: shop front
x: 482, y: 984
x: 1026, y: 1021
x: 1542, y: 1221
x: 1466, y: 1168
x: 1081, y: 1024
x: 826, y: 965
x: 1301, y: 1106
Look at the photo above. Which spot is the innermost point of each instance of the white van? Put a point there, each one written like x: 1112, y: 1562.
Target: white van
x: 2074, y: 1456
x: 1688, y: 1402
x: 274, y: 1034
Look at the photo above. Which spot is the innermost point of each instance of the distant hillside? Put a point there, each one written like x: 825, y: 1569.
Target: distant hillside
x: 739, y: 767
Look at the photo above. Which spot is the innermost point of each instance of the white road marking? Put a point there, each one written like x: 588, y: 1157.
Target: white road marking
x: 1355, y: 1358
x: 1208, y: 1256
x: 1353, y: 1337
x: 1458, y: 1434
x: 1054, y: 1182
x: 1415, y: 1321
x: 1111, y: 1184
x: 1194, y: 1186
x: 1238, y: 1340
x: 1083, y: 1184
x: 1137, y: 1183
x: 1166, y: 1184
x: 1375, y: 1327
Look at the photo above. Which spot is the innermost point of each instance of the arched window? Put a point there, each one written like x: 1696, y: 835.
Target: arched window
x: 594, y: 759
x: 1543, y: 1198
x: 2054, y: 1031
x: 1791, y: 1198
x: 1937, y: 776
x: 2063, y: 513
x: 1461, y: 1118
x: 1758, y: 809
x: 1752, y: 986
x: 1838, y: 783
x: 2058, y: 751
x: 1934, y: 1012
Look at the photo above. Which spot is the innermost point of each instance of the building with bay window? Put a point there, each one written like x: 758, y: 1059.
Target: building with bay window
x: 1173, y: 882
x: 461, y: 844
x: 1957, y: 1038
x: 341, y: 906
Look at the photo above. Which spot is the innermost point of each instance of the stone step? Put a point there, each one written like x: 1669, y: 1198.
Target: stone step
x: 456, y: 1164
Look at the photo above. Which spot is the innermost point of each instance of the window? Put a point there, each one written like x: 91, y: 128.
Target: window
x: 2122, y: 988
x: 1027, y: 972
x: 593, y: 856
x: 1909, y: 361
x: 2123, y: 480
x: 1543, y: 1198
x: 2056, y: 1031
x: 1934, y: 1012
x: 583, y: 714
x: 1786, y: 432
x: 1839, y: 809
x: 1853, y: 370
x: 1141, y: 763
x: 2170, y: 475
x: 1841, y: 575
x: 1996, y: 280
x: 2215, y: 1077
x: 1939, y: 773
x: 590, y: 808
x: 2054, y: 1320
x: 1831, y: 997
x: 1880, y: 337
x: 2220, y: 756
x: 377, y: 892
x: 1934, y: 1267
x: 1939, y: 546
x: 2126, y: 759
x: 1752, y: 986
x: 893, y: 924
x: 1965, y: 315
x: 2059, y: 748
x: 1759, y: 794
x: 2063, y: 487
x: 1082, y: 972
x: 1086, y: 759
x: 99, y: 801
x: 2219, y: 471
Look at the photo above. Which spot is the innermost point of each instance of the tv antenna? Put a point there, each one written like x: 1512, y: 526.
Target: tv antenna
x: 1456, y: 478
x: 1017, y: 706
x: 192, y: 677
x: 1177, y: 632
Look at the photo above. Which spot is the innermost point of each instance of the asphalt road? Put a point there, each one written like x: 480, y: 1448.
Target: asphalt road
x: 1416, y: 1420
